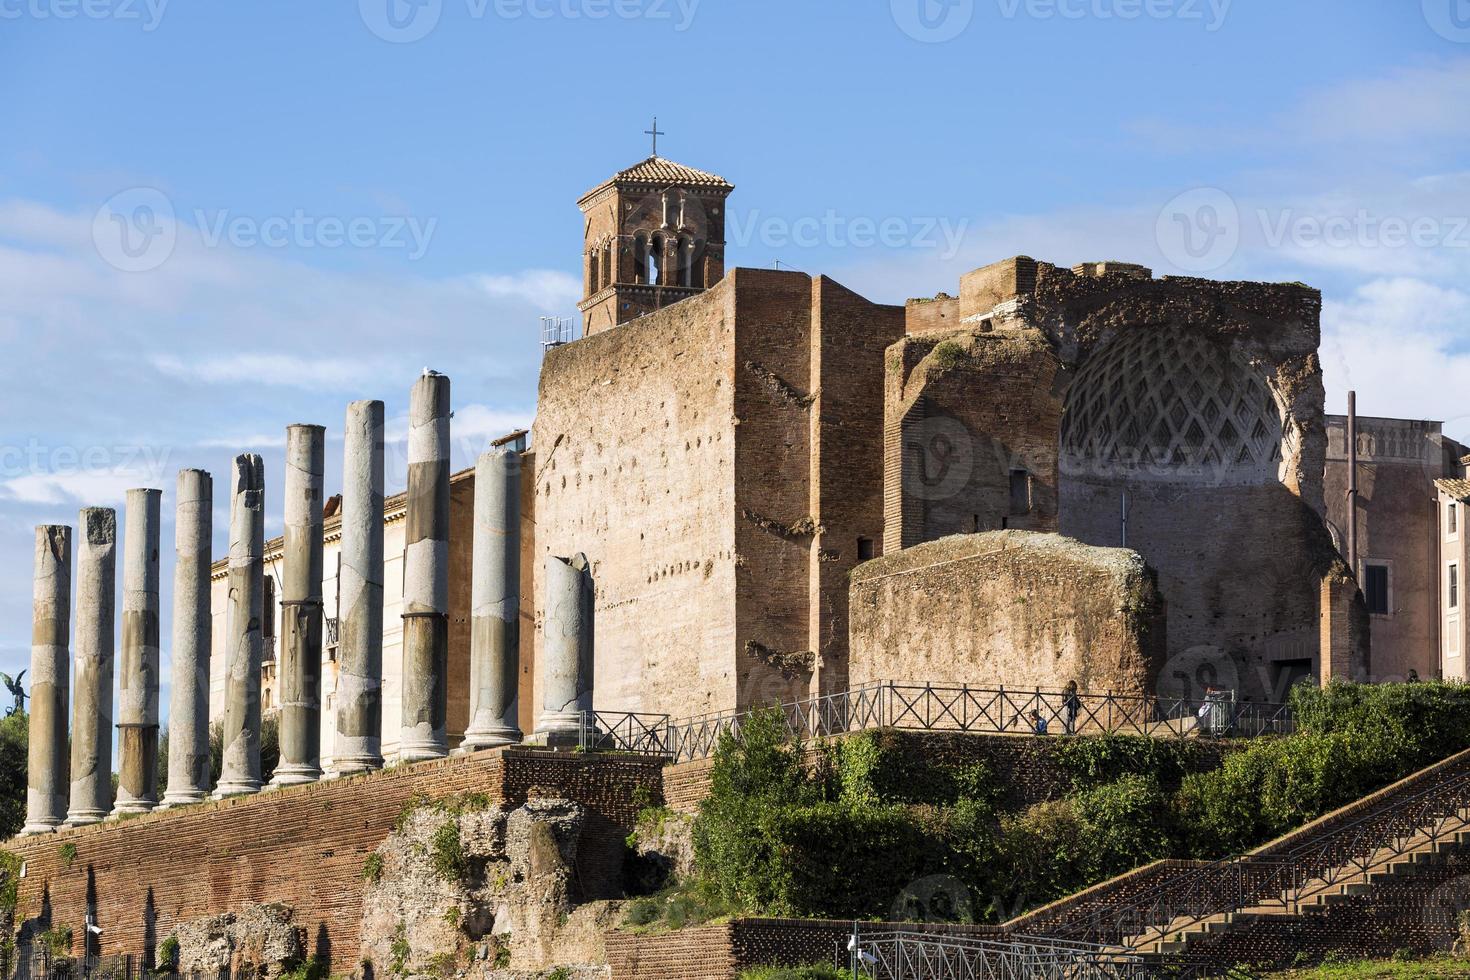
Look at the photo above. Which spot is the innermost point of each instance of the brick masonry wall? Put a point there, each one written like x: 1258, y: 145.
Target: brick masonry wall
x: 965, y: 409
x: 1015, y: 608
x: 635, y: 457
x: 721, y: 952
x: 302, y: 846
x: 849, y: 336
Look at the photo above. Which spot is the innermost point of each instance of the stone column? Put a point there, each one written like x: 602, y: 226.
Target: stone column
x: 359, y: 741
x: 50, y: 637
x: 567, y: 648
x: 137, y: 720
x: 91, y: 719
x: 300, y: 670
x: 426, y: 573
x: 244, y: 614
x: 188, y: 710
x: 495, y: 603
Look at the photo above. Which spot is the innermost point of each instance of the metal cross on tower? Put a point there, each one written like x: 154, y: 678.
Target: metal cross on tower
x: 655, y: 133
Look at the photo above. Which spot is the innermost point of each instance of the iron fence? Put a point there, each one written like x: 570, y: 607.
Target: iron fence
x: 948, y: 708
x: 646, y: 734
x: 930, y: 956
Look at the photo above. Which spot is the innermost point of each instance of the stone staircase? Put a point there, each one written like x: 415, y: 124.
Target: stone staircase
x: 1352, y: 879
x: 1369, y: 878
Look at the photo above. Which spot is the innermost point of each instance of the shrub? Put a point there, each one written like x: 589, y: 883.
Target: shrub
x: 168, y: 954
x: 447, y: 852
x: 644, y: 911
x: 1098, y: 760
x: 1126, y: 824
x: 372, y: 867
x: 1418, y: 724
x: 1276, y: 785
x: 819, y: 971
x: 881, y: 767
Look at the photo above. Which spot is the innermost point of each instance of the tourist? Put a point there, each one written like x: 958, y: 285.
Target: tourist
x: 1038, y: 723
x: 1071, y: 704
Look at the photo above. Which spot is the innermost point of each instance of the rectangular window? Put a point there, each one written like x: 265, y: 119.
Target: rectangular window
x: 1452, y: 636
x: 1452, y: 519
x: 1454, y: 577
x: 1020, y: 492
x: 1375, y: 589
x: 865, y: 549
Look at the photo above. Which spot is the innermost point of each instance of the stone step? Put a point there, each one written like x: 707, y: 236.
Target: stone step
x: 1353, y: 881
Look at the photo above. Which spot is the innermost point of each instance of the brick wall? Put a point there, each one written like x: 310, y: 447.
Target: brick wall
x: 302, y: 846
x: 718, y: 461
x: 721, y: 952
x: 964, y: 410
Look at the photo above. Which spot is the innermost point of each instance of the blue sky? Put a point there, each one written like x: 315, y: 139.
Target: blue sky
x: 350, y: 191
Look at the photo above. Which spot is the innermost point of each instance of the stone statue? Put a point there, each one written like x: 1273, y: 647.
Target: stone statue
x: 17, y: 691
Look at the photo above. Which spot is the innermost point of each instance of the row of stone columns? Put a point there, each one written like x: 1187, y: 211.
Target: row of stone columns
x: 495, y: 626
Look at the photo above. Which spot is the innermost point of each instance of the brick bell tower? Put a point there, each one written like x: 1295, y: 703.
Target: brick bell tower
x: 652, y: 235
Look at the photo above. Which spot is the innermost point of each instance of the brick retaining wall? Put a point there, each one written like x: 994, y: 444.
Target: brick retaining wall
x: 721, y: 952
x: 304, y: 846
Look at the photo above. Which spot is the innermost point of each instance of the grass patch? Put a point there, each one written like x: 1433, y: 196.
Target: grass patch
x: 1434, y: 966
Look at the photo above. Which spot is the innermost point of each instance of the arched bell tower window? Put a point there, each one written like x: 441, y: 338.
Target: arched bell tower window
x: 686, y: 260
x: 594, y: 281
x: 656, y: 259
x: 607, y: 264
x: 640, y: 258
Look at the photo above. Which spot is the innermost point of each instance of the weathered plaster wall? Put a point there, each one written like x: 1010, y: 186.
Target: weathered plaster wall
x: 1015, y: 608
x: 1398, y: 527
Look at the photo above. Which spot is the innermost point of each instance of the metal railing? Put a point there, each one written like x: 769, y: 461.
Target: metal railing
x: 1395, y: 827
x: 932, y: 956
x: 948, y: 708
x: 646, y: 734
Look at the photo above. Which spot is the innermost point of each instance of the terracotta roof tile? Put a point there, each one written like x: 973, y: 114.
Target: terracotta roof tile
x: 1459, y: 489
x: 657, y: 170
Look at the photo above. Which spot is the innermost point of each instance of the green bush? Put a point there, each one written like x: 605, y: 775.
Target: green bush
x: 1276, y: 785
x: 1102, y: 759
x: 841, y: 840
x: 447, y: 852
x: 168, y: 954
x: 879, y: 767
x: 1418, y: 724
x: 817, y: 971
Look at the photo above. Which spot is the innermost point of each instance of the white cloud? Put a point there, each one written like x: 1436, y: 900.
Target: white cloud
x: 313, y: 374
x: 1401, y: 344
x: 91, y: 488
x: 549, y: 288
